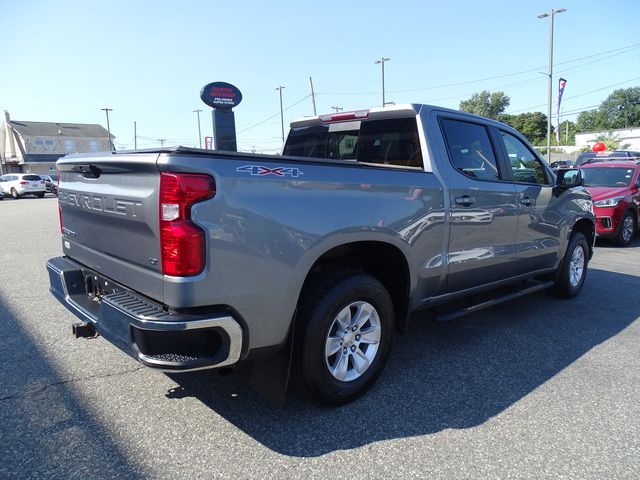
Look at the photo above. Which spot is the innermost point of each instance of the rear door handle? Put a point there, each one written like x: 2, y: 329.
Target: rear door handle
x: 527, y: 201
x: 465, y: 200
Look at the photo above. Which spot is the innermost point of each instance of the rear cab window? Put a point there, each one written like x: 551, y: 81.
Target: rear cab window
x: 387, y: 141
x: 31, y: 178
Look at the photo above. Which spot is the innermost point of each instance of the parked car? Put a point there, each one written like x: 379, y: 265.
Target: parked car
x: 51, y: 183
x: 615, y: 188
x: 586, y: 157
x: 2, y: 193
x: 20, y: 184
x: 558, y: 164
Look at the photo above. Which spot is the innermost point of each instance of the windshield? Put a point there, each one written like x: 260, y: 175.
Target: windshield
x: 607, y: 176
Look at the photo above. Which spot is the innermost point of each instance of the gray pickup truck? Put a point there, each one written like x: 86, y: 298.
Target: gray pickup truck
x: 308, y: 263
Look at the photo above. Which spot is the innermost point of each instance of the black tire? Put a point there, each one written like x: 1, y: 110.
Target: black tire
x: 15, y: 194
x: 626, y: 230
x: 40, y: 195
x: 317, y: 322
x: 566, y: 283
x: 54, y: 190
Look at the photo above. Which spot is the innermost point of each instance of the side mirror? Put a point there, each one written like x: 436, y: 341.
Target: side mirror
x: 569, y: 178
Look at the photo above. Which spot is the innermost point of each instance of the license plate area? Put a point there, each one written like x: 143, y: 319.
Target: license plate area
x: 96, y: 286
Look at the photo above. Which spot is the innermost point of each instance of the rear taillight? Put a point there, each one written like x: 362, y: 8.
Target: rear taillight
x: 24, y: 183
x: 182, y: 243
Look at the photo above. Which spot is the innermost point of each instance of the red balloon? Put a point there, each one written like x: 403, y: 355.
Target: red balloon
x: 599, y: 147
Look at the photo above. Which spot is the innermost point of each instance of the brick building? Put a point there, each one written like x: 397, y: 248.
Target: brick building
x: 35, y: 146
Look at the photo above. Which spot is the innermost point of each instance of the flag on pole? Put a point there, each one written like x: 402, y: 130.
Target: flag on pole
x: 561, y: 83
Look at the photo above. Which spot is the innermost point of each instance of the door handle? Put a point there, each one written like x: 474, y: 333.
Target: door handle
x: 527, y: 201
x: 465, y: 200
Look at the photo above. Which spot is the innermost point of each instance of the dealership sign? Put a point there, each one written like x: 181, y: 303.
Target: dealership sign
x: 221, y: 95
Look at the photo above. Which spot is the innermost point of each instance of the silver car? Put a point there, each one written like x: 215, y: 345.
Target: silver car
x: 20, y: 184
x: 51, y: 183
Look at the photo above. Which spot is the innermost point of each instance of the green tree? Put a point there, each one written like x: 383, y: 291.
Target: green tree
x: 533, y: 125
x: 487, y: 104
x: 621, y: 109
x: 590, y: 121
x: 568, y: 131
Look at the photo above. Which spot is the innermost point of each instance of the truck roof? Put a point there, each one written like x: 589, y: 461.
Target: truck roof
x: 392, y: 111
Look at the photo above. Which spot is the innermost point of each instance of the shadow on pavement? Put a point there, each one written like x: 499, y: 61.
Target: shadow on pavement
x: 610, y: 243
x: 440, y: 376
x: 45, y: 431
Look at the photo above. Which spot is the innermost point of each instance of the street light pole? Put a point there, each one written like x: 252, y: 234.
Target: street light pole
x: 162, y: 140
x: 550, y: 74
x: 381, y: 63
x: 107, y: 110
x: 197, y: 111
x: 281, y: 112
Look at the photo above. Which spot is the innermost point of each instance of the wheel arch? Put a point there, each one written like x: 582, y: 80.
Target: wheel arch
x: 384, y: 261
x: 588, y: 229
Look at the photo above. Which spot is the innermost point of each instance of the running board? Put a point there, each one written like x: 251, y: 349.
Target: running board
x: 452, y: 315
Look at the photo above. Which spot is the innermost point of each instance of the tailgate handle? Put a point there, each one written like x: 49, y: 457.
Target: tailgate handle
x: 88, y: 171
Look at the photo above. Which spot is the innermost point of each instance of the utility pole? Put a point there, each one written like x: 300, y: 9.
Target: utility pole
x: 550, y: 74
x: 107, y: 110
x: 281, y: 112
x: 197, y: 111
x: 162, y: 140
x: 313, y: 97
x: 338, y: 109
x: 135, y: 135
x: 381, y: 63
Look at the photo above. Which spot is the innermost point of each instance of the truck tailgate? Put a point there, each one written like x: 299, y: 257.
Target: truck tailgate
x: 109, y: 215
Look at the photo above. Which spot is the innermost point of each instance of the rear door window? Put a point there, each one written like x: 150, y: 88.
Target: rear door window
x: 470, y: 149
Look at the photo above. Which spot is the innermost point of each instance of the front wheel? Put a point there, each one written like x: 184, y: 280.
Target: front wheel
x: 573, y: 270
x: 344, y: 335
x: 627, y: 229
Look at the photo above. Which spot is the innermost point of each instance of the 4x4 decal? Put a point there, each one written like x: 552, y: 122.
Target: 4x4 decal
x: 261, y: 170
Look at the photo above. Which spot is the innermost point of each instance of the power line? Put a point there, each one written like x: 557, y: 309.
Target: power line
x: 580, y: 95
x: 468, y: 82
x: 275, y: 115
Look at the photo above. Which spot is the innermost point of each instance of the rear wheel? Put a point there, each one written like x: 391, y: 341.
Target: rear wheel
x: 15, y: 194
x: 343, y: 339
x: 627, y: 229
x: 40, y: 195
x: 574, y: 268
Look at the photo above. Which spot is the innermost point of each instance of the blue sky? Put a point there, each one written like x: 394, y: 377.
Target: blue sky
x: 63, y: 61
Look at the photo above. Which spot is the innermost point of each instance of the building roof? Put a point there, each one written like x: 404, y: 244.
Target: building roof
x: 51, y: 129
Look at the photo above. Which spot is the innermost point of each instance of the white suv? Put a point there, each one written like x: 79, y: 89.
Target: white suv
x: 19, y: 184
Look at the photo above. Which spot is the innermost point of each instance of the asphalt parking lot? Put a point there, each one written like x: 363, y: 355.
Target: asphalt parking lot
x: 538, y: 388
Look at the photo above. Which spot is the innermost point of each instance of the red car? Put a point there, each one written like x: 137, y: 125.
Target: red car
x: 615, y: 188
